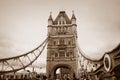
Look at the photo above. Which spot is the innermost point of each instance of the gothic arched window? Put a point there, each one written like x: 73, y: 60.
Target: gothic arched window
x: 52, y: 54
x: 56, y: 54
x: 65, y: 28
x: 61, y: 20
x: 69, y: 42
x: 62, y: 41
x: 69, y: 54
x: 54, y: 42
x: 62, y: 54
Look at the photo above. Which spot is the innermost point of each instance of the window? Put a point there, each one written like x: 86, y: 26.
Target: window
x: 62, y: 54
x: 61, y: 21
x: 69, y: 54
x: 62, y: 41
x: 56, y: 54
x: 69, y: 42
x: 52, y: 54
x: 65, y: 28
x: 54, y: 42
x: 59, y: 29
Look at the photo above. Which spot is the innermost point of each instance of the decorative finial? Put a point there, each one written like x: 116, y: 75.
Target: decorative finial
x: 73, y: 16
x: 50, y: 13
x: 72, y: 11
x: 50, y: 17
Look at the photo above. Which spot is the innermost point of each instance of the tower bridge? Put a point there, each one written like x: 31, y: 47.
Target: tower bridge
x: 65, y: 56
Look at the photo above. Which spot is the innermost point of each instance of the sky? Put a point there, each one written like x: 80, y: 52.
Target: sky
x: 23, y: 24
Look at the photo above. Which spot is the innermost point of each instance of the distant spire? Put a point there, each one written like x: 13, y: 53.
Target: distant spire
x: 50, y: 17
x: 73, y: 16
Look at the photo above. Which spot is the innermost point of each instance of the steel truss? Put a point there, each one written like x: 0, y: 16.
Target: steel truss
x: 20, y: 62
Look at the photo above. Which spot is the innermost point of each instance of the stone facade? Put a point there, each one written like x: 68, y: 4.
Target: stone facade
x: 62, y: 44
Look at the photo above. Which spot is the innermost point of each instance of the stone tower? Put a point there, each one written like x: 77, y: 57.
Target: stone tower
x: 62, y: 46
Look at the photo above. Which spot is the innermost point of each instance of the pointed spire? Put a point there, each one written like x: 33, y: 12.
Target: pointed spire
x: 50, y: 17
x: 73, y: 16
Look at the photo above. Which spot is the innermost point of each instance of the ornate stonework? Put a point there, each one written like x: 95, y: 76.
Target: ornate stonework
x: 61, y: 49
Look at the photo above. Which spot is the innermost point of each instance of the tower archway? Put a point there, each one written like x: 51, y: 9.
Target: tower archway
x: 62, y: 71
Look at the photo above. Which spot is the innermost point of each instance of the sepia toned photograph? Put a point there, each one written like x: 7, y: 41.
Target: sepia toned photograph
x: 59, y: 39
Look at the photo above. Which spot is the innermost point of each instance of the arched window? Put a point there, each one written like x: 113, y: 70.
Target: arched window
x: 62, y: 54
x: 56, y: 54
x: 52, y: 54
x: 69, y: 54
x: 54, y: 42
x: 61, y: 21
x: 59, y: 30
x: 65, y: 29
x: 69, y: 42
x: 62, y: 41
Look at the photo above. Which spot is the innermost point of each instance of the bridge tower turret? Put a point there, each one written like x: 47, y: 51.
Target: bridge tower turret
x: 73, y: 19
x: 62, y: 50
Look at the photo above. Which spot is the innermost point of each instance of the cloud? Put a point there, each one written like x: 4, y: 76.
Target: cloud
x: 6, y: 46
x: 25, y: 24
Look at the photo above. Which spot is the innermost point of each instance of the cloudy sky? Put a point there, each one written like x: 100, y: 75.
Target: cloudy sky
x: 23, y: 24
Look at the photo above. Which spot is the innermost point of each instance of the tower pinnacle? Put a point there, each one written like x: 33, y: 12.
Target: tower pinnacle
x: 73, y: 16
x: 50, y: 17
